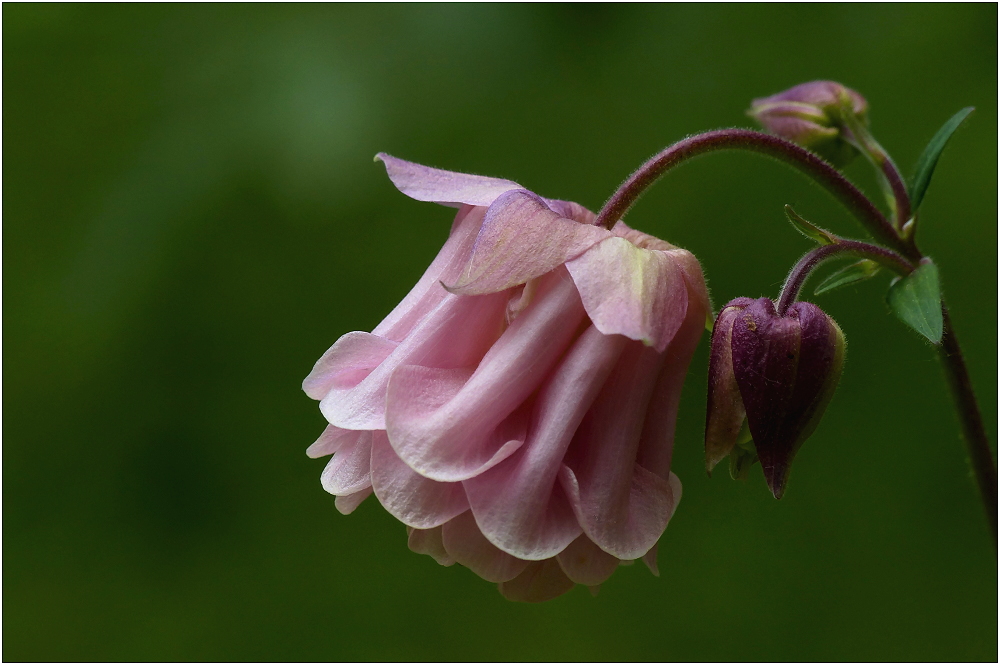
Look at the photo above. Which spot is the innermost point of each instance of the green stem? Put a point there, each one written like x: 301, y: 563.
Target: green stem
x: 973, y: 432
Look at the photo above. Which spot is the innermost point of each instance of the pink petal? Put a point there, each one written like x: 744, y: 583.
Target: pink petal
x: 350, y: 469
x: 424, y: 183
x: 457, y: 333
x: 452, y: 426
x: 571, y: 210
x: 639, y: 293
x: 518, y: 505
x: 428, y: 541
x: 623, y: 507
x: 347, y: 503
x: 466, y: 545
x: 586, y: 563
x: 446, y: 267
x: 657, y: 442
x: 540, y: 581
x: 348, y: 361
x: 330, y: 441
x: 522, y: 238
x: 415, y: 501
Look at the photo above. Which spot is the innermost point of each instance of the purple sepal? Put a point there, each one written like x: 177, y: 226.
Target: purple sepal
x: 787, y: 368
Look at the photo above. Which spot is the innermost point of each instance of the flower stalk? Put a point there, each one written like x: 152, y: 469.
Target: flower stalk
x: 815, y: 257
x: 799, y: 158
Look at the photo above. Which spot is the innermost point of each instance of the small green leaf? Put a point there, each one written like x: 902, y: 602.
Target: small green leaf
x: 916, y: 299
x: 863, y: 269
x: 808, y: 229
x: 928, y: 160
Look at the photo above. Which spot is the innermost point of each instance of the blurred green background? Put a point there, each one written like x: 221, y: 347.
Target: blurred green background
x: 192, y: 215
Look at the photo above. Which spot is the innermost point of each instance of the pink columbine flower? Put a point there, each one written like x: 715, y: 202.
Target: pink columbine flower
x: 516, y: 410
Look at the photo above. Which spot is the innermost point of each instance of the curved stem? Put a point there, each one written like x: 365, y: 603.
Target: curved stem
x: 812, y: 259
x: 971, y: 421
x: 744, y: 139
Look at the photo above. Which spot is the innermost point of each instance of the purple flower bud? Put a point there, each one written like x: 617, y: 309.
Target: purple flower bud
x: 810, y: 114
x: 777, y: 371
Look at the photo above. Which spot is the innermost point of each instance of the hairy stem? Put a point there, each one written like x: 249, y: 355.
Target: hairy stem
x: 973, y: 432
x: 812, y: 260
x: 808, y: 163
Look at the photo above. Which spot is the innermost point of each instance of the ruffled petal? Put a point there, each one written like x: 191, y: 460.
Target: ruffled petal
x: 457, y: 333
x: 540, y: 581
x: 522, y: 238
x: 415, y: 501
x: 347, y: 503
x: 657, y: 442
x: 330, y: 441
x: 623, y: 507
x: 348, y: 361
x: 452, y: 426
x: 586, y: 563
x: 518, y: 504
x: 627, y: 290
x: 446, y: 267
x: 466, y: 545
x: 350, y: 469
x: 571, y: 210
x: 449, y: 188
x: 428, y: 541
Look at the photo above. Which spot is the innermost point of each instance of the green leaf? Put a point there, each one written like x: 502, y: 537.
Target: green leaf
x: 916, y: 299
x: 808, y: 229
x: 928, y: 160
x: 855, y: 272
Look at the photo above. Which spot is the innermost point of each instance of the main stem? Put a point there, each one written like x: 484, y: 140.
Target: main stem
x: 970, y: 420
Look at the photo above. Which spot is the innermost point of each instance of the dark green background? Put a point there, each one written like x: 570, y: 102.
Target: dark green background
x: 192, y: 215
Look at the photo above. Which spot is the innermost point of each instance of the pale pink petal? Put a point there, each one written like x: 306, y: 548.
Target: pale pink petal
x: 424, y: 183
x: 623, y: 507
x: 448, y: 428
x: 350, y: 469
x: 627, y: 290
x: 640, y: 518
x: 330, y: 441
x: 522, y: 238
x: 409, y: 497
x: 347, y: 362
x: 466, y: 545
x: 347, y: 503
x: 571, y: 210
x: 428, y: 541
x: 657, y: 442
x: 540, y: 581
x: 518, y: 504
x: 586, y: 563
x: 457, y: 333
x: 446, y: 267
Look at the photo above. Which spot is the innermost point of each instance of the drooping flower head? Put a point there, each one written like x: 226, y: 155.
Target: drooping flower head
x: 777, y: 372
x: 516, y: 410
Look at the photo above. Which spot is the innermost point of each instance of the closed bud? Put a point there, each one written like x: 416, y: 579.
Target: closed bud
x: 811, y: 115
x: 777, y: 371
